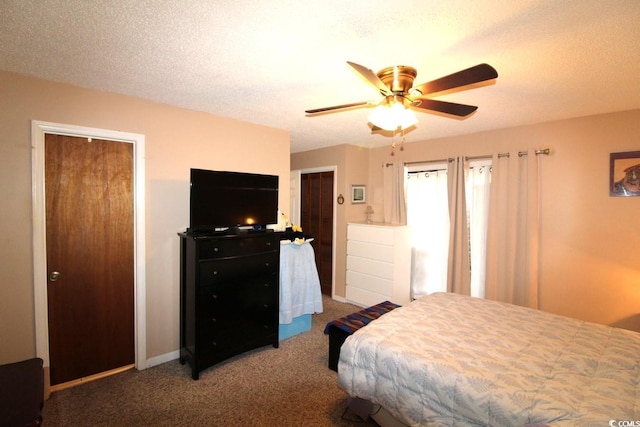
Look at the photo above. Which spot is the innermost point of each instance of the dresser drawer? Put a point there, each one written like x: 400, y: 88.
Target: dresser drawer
x: 371, y: 234
x: 216, y: 333
x: 238, y: 268
x: 231, y: 331
x: 226, y: 301
x: 370, y: 250
x: 233, y: 246
x: 364, y: 297
x: 223, y: 323
x: 370, y: 267
x: 377, y: 285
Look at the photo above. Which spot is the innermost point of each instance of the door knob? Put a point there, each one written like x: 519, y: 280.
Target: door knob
x: 54, y: 276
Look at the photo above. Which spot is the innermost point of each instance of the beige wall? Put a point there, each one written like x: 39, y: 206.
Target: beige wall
x: 176, y: 140
x: 589, y: 241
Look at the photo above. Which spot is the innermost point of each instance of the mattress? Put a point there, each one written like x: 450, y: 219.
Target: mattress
x: 448, y: 359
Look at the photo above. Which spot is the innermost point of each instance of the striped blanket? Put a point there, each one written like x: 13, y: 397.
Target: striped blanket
x: 355, y: 321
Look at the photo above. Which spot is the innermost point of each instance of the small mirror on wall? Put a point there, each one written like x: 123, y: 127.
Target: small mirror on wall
x: 358, y: 194
x: 624, y: 177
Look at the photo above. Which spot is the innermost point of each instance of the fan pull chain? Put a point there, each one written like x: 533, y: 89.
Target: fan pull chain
x: 394, y: 143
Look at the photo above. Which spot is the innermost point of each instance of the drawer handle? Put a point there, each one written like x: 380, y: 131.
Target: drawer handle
x: 214, y: 320
x: 214, y: 296
x: 215, y: 273
x: 266, y: 264
x: 215, y: 249
x: 266, y: 305
x: 214, y: 343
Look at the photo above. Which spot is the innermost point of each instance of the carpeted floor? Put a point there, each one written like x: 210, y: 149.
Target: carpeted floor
x: 287, y: 386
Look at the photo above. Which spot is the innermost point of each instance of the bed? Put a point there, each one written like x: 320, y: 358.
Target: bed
x: 447, y: 359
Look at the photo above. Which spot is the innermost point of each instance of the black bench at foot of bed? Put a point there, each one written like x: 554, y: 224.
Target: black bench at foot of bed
x: 338, y: 330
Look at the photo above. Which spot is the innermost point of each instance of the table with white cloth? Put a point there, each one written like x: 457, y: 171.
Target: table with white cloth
x: 300, y: 292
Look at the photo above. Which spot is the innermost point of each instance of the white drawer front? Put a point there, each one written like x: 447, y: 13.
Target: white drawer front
x: 373, y: 284
x: 370, y: 267
x: 363, y: 297
x: 369, y: 250
x: 372, y: 234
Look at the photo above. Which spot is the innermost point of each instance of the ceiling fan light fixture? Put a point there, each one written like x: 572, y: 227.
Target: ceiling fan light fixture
x: 393, y: 115
x: 396, y: 85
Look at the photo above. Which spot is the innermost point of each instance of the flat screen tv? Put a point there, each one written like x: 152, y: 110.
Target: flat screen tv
x: 221, y: 200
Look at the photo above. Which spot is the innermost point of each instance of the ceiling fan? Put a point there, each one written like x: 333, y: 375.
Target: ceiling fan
x: 395, y: 84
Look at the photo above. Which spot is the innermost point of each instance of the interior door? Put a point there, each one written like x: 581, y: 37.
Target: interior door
x: 90, y: 255
x: 316, y: 194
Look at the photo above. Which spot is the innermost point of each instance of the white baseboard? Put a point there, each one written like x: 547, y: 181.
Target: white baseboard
x: 339, y: 298
x: 163, y: 358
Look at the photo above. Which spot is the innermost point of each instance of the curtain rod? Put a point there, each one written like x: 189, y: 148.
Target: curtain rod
x: 544, y: 151
x: 447, y: 160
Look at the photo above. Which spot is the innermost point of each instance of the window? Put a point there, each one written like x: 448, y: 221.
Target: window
x: 428, y: 216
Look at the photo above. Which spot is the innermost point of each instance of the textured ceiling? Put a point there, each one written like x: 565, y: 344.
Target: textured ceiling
x: 267, y: 62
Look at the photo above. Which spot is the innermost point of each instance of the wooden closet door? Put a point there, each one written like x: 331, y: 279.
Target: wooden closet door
x: 89, y: 236
x: 317, y: 219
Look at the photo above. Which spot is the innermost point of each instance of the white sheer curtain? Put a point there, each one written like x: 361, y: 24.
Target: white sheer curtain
x: 428, y: 217
x: 513, y: 236
x: 395, y: 211
x: 478, y: 185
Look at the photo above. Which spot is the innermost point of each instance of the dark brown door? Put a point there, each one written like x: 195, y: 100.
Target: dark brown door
x: 90, y: 255
x: 316, y: 211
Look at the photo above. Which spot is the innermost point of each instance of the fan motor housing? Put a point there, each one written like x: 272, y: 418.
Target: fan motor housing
x: 399, y: 78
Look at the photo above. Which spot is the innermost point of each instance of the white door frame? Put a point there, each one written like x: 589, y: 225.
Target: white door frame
x: 38, y: 131
x: 333, y: 169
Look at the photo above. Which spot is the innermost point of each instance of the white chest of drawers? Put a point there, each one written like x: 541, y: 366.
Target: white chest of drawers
x: 378, y: 264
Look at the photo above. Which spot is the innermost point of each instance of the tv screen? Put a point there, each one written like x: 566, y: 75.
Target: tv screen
x: 232, y: 199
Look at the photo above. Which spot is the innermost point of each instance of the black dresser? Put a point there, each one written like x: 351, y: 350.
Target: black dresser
x: 228, y: 295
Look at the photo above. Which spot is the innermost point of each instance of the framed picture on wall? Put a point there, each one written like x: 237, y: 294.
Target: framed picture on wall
x: 358, y: 194
x: 624, y: 176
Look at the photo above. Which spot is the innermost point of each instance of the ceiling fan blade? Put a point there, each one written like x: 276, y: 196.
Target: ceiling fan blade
x: 460, y: 110
x: 336, y: 107
x: 371, y: 77
x: 479, y: 73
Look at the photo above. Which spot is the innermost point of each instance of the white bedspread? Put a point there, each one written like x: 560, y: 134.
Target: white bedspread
x: 447, y: 359
x: 300, y: 291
